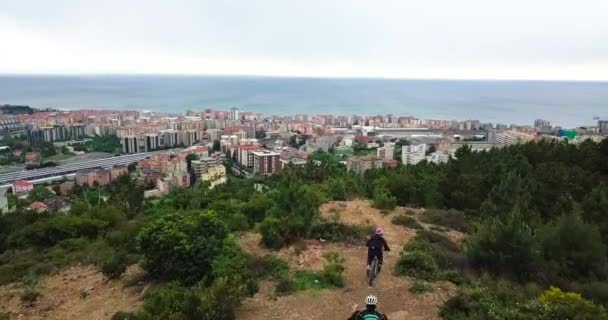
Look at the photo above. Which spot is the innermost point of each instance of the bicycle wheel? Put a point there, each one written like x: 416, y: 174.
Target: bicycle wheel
x: 373, y: 270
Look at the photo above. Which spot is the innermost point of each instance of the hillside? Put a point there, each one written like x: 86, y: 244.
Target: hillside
x: 392, y: 291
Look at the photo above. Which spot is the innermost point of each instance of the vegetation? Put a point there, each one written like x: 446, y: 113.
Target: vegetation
x: 406, y: 221
x: 536, y: 215
x: 105, y: 143
x: 419, y: 287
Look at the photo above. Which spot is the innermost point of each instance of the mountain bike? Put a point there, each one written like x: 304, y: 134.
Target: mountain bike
x: 373, y: 271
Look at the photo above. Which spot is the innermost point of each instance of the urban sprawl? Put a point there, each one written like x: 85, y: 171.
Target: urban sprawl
x: 166, y: 152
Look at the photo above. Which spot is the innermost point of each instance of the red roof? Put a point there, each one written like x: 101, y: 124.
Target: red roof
x: 22, y: 183
x: 38, y: 205
x: 249, y: 147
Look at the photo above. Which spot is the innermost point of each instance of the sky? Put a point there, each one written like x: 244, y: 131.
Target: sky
x: 451, y: 39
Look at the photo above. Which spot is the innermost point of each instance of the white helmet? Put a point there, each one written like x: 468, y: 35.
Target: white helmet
x: 371, y: 300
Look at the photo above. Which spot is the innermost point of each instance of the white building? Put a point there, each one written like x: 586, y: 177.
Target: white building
x: 3, y: 200
x: 387, y: 152
x: 437, y: 157
x: 413, y: 153
x: 234, y: 114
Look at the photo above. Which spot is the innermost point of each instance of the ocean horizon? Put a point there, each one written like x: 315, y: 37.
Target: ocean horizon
x: 564, y: 103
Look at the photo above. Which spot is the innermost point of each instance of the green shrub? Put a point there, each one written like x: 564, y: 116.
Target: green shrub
x: 268, y: 266
x: 48, y: 232
x: 115, y: 266
x: 182, y: 246
x: 232, y: 265
x: 419, y: 287
x: 5, y: 316
x: 273, y: 233
x: 383, y: 200
x: 507, y: 247
x: 451, y: 218
x: 334, y: 269
x: 573, y: 249
x: 285, y: 284
x: 406, y: 221
x: 566, y: 305
x: 417, y: 264
x: 340, y: 232
x: 481, y: 303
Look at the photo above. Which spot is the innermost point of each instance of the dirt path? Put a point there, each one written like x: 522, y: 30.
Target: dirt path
x: 394, y: 298
x: 79, y: 293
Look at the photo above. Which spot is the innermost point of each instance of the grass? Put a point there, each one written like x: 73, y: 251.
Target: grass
x: 420, y: 287
x: 406, y: 221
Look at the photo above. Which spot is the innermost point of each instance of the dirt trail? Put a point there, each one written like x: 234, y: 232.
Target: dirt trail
x: 394, y: 298
x: 79, y: 293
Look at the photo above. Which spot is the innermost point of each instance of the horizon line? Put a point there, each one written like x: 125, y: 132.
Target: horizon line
x: 315, y: 77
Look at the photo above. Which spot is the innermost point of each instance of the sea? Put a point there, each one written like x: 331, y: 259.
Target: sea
x: 565, y: 103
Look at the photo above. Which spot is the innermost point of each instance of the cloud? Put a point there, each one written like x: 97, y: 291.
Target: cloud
x: 519, y: 39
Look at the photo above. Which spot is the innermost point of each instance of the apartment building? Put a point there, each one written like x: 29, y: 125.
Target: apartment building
x: 413, y: 154
x: 362, y: 164
x: 266, y: 162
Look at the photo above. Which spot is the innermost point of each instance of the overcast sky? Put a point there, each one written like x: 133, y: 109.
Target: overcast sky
x: 471, y: 39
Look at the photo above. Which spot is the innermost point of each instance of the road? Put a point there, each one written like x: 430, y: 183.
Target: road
x: 74, y: 167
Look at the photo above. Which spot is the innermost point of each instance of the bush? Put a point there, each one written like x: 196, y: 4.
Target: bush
x: 232, y: 266
x: 115, y: 266
x: 47, y: 232
x: 182, y: 246
x: 417, y: 264
x: 334, y: 269
x: 406, y: 221
x: 383, y: 200
x: 285, y: 284
x: 451, y: 218
x: 574, y: 249
x: 499, y: 302
x: 566, y: 305
x: 340, y: 232
x: 507, y: 246
x: 419, y: 287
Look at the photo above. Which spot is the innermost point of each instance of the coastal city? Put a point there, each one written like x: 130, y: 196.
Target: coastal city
x: 61, y: 150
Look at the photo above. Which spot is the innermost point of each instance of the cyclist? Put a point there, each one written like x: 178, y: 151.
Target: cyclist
x: 374, y: 248
x: 370, y: 312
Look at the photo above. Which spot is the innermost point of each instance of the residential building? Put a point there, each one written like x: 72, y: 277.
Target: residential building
x: 540, y: 123
x: 22, y: 186
x: 362, y: 164
x: 32, y: 157
x: 118, y: 171
x: 93, y: 177
x: 3, y: 200
x: 169, y: 138
x: 602, y: 126
x: 65, y: 188
x: 234, y: 114
x: 437, y: 157
x: 414, y: 153
x: 245, y: 155
x: 215, y: 175
x: 129, y: 144
x: 266, y: 162
x: 189, y: 137
x: 386, y: 152
x: 151, y: 142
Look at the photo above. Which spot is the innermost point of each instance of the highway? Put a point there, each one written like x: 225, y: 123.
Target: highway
x: 74, y: 167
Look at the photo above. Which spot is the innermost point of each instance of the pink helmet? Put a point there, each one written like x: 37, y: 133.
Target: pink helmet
x: 379, y: 231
